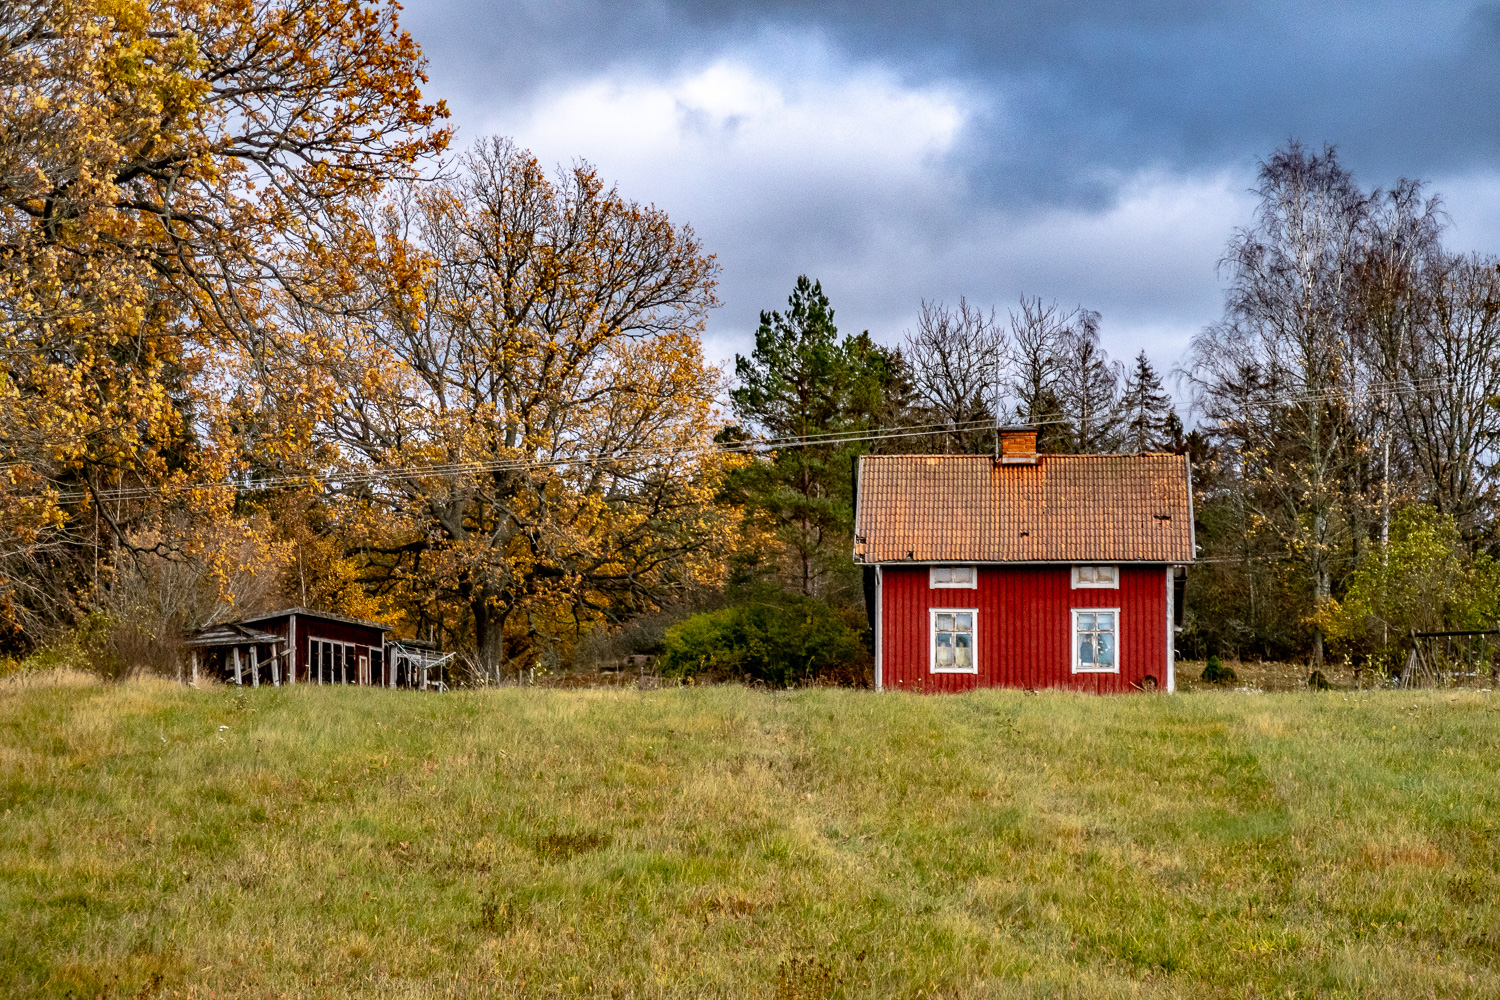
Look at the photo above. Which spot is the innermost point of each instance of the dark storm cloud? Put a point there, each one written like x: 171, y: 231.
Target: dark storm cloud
x: 1403, y: 88
x: 1098, y: 153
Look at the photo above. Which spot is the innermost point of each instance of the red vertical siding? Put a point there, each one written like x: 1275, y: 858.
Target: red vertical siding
x: 1024, y: 628
x: 310, y: 627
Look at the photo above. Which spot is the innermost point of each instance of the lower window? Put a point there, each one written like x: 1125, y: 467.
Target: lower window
x: 953, y: 641
x: 1096, y: 640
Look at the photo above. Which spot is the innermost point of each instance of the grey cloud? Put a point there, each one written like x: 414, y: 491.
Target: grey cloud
x: 1074, y: 103
x: 1403, y: 88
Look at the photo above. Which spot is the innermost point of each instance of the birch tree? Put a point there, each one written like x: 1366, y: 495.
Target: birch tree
x: 1288, y: 319
x: 958, y: 358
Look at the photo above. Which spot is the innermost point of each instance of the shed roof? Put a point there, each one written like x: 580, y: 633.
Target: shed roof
x: 231, y: 634
x: 1064, y: 508
x: 310, y: 613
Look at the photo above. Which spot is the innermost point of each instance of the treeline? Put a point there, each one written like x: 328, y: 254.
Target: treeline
x: 1351, y: 397
x: 947, y: 387
x: 256, y: 355
x: 264, y: 345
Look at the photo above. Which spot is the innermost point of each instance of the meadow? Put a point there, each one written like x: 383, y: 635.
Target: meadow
x: 726, y: 842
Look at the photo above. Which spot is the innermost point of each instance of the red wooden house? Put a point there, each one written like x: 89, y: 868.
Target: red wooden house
x: 1024, y: 570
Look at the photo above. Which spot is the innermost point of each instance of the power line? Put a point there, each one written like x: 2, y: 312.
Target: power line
x: 518, y: 464
x: 406, y: 473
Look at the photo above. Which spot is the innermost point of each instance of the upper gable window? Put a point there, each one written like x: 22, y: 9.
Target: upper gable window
x: 1096, y: 576
x: 953, y: 576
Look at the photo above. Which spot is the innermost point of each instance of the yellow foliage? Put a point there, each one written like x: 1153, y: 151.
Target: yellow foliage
x: 529, y: 395
x: 163, y: 164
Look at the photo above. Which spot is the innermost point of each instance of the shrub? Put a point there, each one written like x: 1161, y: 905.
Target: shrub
x: 1214, y: 672
x: 1422, y: 581
x: 780, y: 640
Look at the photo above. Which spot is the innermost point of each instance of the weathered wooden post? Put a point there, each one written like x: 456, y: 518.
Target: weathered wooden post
x: 255, y: 665
x: 275, y: 667
x: 195, y: 668
x: 238, y: 677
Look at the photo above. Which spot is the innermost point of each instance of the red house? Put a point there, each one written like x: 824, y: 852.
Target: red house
x: 1024, y: 570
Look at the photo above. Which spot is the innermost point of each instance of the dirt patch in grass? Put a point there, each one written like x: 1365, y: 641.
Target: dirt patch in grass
x: 1271, y: 675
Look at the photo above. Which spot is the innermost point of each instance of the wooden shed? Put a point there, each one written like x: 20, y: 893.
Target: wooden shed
x: 328, y: 648
x: 1024, y: 569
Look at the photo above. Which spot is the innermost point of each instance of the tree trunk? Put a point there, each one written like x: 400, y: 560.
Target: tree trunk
x: 489, y: 637
x: 1323, y: 590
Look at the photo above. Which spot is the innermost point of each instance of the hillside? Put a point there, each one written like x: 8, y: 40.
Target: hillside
x: 726, y: 842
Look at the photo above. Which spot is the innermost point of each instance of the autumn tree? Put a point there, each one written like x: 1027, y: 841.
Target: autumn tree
x: 164, y: 164
x: 524, y: 412
x: 1287, y: 332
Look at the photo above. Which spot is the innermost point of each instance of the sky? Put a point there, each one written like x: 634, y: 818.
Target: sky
x: 1093, y: 153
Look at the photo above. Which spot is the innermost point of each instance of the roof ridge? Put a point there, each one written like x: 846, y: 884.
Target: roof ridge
x: 331, y: 615
x: 1041, y: 454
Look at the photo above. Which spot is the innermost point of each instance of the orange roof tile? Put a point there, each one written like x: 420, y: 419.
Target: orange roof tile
x: 1065, y: 508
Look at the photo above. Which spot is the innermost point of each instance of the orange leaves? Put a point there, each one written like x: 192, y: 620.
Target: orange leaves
x: 168, y: 169
x: 533, y: 383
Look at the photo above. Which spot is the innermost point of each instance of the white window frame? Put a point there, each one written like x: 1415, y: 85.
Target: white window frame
x: 1073, y: 641
x: 350, y: 653
x: 1081, y: 584
x: 933, y: 584
x: 932, y: 667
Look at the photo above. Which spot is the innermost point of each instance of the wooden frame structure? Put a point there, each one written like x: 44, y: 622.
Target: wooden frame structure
x: 234, y: 650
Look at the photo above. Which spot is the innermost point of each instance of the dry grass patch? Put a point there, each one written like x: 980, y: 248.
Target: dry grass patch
x: 307, y: 842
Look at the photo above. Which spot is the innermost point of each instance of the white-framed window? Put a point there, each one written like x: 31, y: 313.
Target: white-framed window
x: 336, y: 663
x: 1096, y: 576
x: 1096, y: 640
x: 953, y: 648
x: 953, y: 576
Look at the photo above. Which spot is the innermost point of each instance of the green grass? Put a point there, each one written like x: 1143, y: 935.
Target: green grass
x: 703, y: 842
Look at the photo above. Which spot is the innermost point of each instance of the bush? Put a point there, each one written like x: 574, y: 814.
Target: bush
x: 1423, y: 581
x: 779, y: 640
x: 1214, y: 672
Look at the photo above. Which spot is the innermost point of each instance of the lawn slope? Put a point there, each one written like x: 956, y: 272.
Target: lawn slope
x: 703, y: 842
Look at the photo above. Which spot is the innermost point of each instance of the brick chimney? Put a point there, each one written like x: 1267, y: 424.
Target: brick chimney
x: 1018, y: 445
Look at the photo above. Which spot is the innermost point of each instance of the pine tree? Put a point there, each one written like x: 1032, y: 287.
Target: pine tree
x: 803, y: 379
x: 1148, y: 412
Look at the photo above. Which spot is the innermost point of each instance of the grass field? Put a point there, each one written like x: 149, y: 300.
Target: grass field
x: 706, y: 842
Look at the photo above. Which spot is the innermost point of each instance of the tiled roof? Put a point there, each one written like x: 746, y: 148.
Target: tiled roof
x: 1065, y: 508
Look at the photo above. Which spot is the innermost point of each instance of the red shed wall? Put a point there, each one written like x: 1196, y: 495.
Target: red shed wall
x: 319, y: 628
x: 1024, y: 628
x: 316, y: 628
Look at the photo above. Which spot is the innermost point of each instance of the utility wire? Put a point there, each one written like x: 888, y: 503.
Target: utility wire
x: 406, y: 473
x: 411, y: 472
